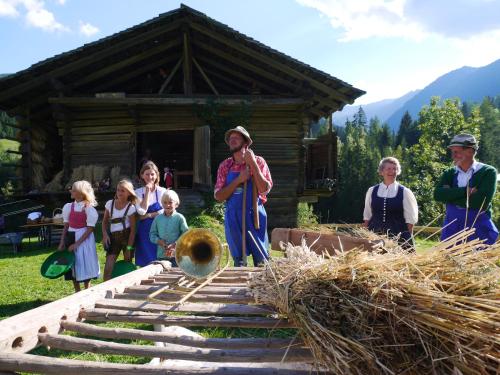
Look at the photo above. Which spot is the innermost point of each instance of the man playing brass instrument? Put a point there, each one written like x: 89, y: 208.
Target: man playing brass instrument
x: 237, y: 177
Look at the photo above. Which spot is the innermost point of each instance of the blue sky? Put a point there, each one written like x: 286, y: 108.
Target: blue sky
x: 385, y: 47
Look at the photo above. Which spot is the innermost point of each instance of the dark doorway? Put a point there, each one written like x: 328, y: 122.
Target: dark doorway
x: 173, y: 150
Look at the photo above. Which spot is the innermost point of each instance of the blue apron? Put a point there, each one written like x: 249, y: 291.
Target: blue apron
x: 484, y: 226
x: 145, y: 250
x: 232, y: 224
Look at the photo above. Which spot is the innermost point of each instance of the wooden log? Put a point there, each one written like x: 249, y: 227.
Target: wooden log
x: 19, y: 333
x: 331, y: 243
x: 226, y: 290
x: 211, y: 298
x: 107, y: 315
x: 174, y: 337
x: 187, y: 307
x: 219, y: 279
x: 173, y: 351
x: 58, y: 366
x: 227, y: 272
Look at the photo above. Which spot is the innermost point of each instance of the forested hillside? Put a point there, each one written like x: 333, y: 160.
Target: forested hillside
x: 420, y: 145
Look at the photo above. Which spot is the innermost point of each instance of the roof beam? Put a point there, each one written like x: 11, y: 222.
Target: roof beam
x: 126, y: 62
x: 170, y: 76
x: 135, y: 72
x: 262, y: 72
x: 232, y: 72
x: 226, y: 79
x: 214, y: 90
x: 83, y: 61
x: 272, y: 62
x: 187, y: 62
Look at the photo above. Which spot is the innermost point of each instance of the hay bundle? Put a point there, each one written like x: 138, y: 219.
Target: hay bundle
x: 100, y: 173
x: 115, y: 176
x: 393, y: 313
x: 56, y: 183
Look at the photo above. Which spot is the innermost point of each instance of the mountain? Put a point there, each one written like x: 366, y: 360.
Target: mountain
x: 468, y: 84
x: 382, y: 109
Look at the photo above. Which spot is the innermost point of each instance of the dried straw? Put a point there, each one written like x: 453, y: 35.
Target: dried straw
x: 436, y: 312
x: 115, y: 176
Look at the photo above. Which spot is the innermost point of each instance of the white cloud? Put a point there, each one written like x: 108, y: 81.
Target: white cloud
x: 8, y: 8
x: 35, y: 13
x: 412, y: 19
x: 61, y: 2
x: 362, y: 19
x: 479, y: 50
x: 87, y: 29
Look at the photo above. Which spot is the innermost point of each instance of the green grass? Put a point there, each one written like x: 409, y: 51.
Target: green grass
x: 7, y: 144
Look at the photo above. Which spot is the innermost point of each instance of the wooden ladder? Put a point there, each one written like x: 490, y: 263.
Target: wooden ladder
x: 226, y: 303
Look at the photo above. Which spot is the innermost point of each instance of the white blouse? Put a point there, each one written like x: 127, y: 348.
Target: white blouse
x: 118, y: 214
x: 410, y: 206
x: 152, y: 198
x: 91, y: 212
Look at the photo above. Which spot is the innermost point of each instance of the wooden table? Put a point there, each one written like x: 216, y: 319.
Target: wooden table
x: 45, y: 232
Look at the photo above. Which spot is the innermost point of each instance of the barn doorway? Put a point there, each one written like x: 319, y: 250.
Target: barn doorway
x: 170, y: 149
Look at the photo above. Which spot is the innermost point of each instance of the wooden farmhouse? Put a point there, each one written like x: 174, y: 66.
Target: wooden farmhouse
x: 170, y: 87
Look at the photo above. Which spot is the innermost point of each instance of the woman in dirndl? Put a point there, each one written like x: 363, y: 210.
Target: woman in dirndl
x: 148, y: 207
x: 391, y: 208
x: 80, y: 218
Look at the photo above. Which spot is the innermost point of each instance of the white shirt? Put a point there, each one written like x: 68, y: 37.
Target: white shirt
x: 410, y: 206
x: 464, y: 177
x: 152, y: 198
x: 91, y: 212
x: 118, y: 214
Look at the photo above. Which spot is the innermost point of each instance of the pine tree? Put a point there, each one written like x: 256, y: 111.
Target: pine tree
x: 490, y: 133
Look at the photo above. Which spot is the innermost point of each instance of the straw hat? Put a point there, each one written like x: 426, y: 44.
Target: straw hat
x: 242, y: 131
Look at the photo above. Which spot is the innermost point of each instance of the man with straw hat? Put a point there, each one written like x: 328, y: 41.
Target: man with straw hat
x: 243, y: 181
x: 467, y: 189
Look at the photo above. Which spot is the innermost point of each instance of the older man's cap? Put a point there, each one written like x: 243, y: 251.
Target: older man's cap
x: 464, y: 140
x: 242, y: 131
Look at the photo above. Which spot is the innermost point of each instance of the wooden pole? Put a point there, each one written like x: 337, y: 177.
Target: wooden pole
x: 57, y: 366
x: 175, y: 351
x: 111, y: 315
x: 172, y: 337
x: 244, y: 226
x: 255, y: 203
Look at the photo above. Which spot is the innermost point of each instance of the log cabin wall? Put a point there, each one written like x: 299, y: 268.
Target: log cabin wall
x: 106, y: 135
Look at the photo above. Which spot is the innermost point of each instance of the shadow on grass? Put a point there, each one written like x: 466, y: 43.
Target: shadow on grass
x: 28, y: 250
x: 8, y: 310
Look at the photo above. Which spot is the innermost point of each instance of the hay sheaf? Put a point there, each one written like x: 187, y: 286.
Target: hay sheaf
x: 393, y: 312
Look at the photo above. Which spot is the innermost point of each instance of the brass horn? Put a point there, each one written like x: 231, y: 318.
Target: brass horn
x: 198, y: 252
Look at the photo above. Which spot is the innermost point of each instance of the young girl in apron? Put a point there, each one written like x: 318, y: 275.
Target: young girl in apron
x: 118, y: 226
x: 80, y: 218
x: 148, y: 207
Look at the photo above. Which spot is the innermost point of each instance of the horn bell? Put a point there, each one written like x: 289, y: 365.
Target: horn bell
x: 198, y: 252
